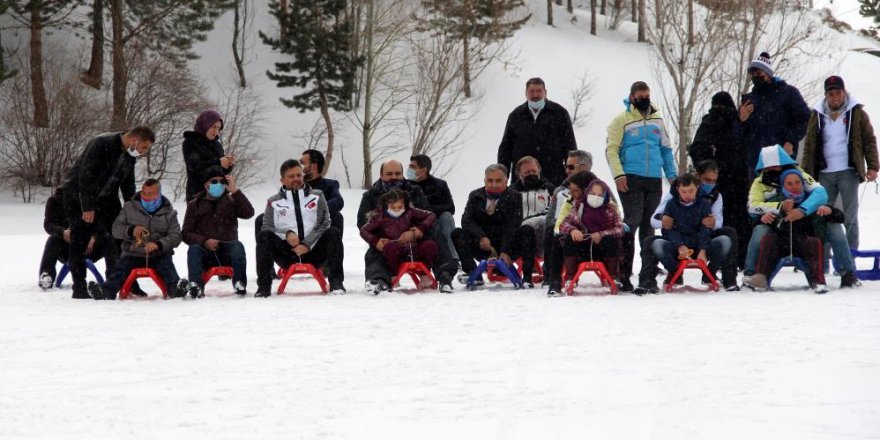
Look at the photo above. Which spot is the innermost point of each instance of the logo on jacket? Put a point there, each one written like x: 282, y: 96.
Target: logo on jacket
x: 655, y: 131
x: 312, y: 204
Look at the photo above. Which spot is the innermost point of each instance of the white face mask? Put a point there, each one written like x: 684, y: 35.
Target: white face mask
x: 134, y: 152
x: 595, y: 201
x: 395, y: 213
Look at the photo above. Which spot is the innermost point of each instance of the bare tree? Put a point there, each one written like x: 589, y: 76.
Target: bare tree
x: 244, y: 124
x: 643, y: 17
x: 549, y: 12
x: 579, y: 95
x: 242, y: 25
x: 593, y: 16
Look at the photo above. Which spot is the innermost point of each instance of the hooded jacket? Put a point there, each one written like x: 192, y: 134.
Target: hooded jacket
x: 535, y: 198
x: 714, y: 197
x: 163, y: 227
x: 861, y: 146
x: 499, y: 227
x: 766, y: 185
x: 613, y: 223
x: 215, y: 218
x: 370, y: 199
x: 303, y: 212
x: 382, y: 225
x: 548, y: 138
x: 639, y: 145
x: 780, y: 116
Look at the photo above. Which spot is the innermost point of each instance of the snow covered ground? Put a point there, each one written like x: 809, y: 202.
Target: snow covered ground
x: 489, y: 364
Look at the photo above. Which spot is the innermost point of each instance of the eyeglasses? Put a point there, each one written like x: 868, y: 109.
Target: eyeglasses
x: 213, y: 181
x: 572, y: 167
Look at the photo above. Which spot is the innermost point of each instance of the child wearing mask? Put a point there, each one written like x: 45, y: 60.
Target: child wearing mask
x: 397, y: 230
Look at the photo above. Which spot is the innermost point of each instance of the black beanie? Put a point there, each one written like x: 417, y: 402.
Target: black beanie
x: 722, y: 99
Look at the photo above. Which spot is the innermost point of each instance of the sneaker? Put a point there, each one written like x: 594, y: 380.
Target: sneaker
x: 732, y: 288
x: 181, y: 288
x: 239, y: 289
x: 337, y: 289
x: 463, y: 278
x: 848, y: 279
x: 554, y: 290
x: 820, y: 288
x: 195, y: 291
x: 527, y: 285
x: 642, y: 289
x: 625, y: 285
x: 46, y: 281
x: 757, y: 281
x: 446, y: 288
x: 95, y: 291
x: 137, y: 291
x: 478, y: 284
x: 376, y: 287
x: 263, y: 292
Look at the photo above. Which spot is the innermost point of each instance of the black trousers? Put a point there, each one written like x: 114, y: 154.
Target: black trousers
x: 327, y: 253
x: 57, y: 250
x: 639, y: 202
x: 468, y: 247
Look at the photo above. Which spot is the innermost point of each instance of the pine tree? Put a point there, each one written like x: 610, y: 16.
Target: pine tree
x: 318, y: 38
x: 5, y: 72
x: 478, y: 23
x: 870, y: 9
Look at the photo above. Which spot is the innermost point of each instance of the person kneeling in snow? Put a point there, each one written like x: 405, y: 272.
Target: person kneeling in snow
x: 684, y: 232
x: 397, y: 230
x: 592, y: 230
x: 150, y: 231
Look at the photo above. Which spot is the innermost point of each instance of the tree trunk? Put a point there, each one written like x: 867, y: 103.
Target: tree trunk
x: 683, y: 136
x: 658, y: 14
x: 366, y: 133
x: 604, y: 7
x: 236, y: 55
x: 634, y: 6
x: 642, y: 23
x: 569, y: 7
x: 282, y: 23
x: 593, y: 16
x: 325, y: 113
x: 120, y: 76
x: 466, y: 65
x: 690, y: 40
x: 549, y: 12
x: 95, y: 74
x: 38, y: 89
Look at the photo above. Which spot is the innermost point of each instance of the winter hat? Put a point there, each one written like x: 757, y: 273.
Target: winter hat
x: 722, y: 99
x: 762, y: 63
x: 213, y: 171
x: 205, y: 120
x: 834, y: 82
x: 787, y: 173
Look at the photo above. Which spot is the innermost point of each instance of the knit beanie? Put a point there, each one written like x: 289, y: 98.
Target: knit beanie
x: 205, y: 120
x: 762, y: 63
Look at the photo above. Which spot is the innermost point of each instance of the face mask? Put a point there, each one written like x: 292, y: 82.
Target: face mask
x: 797, y: 197
x: 411, y: 174
x: 707, y: 188
x: 761, y: 85
x: 133, y: 152
x: 152, y: 206
x: 537, y: 105
x: 216, y: 190
x: 532, y: 180
x: 642, y: 104
x: 595, y: 201
x: 395, y: 213
x: 493, y: 194
x: 771, y: 177
x: 394, y: 184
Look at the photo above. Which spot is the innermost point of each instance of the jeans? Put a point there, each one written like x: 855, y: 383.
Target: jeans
x: 446, y: 264
x: 846, y: 184
x: 834, y: 236
x: 228, y: 253
x: 667, y: 253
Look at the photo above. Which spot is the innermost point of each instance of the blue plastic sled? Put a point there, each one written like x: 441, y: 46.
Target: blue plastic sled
x: 868, y: 274
x: 509, y: 271
x: 790, y: 261
x: 89, y: 265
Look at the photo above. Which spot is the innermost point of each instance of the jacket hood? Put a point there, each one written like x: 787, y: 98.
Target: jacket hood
x: 605, y: 188
x: 851, y: 102
x: 772, y: 156
x: 629, y: 107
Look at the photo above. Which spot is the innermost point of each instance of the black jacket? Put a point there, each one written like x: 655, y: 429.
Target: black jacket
x: 688, y: 228
x: 54, y: 220
x: 370, y: 199
x: 501, y: 226
x: 548, y: 138
x: 199, y: 153
x: 330, y: 188
x: 97, y: 176
x: 438, y: 195
x: 215, y: 218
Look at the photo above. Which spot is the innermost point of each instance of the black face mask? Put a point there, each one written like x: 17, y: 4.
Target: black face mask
x: 761, y: 86
x: 643, y: 104
x: 392, y: 184
x: 532, y: 180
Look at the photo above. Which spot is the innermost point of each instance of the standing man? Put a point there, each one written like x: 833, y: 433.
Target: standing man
x: 540, y: 128
x: 840, y: 143
x: 639, y: 155
x: 313, y: 170
x: 440, y: 203
x: 773, y: 113
x: 390, y: 177
x: 91, y: 191
x: 210, y: 228
x: 296, y: 227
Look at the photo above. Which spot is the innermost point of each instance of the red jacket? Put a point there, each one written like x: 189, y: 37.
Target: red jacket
x: 382, y: 225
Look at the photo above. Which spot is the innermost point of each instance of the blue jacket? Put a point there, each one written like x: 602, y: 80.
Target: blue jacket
x: 688, y: 227
x: 639, y: 145
x: 780, y: 116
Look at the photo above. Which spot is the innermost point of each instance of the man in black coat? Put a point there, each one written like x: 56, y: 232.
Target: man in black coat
x: 489, y: 225
x: 312, y: 162
x: 390, y: 177
x: 540, y: 128
x: 57, y: 247
x: 91, y: 191
x: 441, y: 204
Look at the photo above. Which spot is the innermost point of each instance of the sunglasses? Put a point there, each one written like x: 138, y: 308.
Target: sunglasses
x: 212, y: 181
x: 571, y: 167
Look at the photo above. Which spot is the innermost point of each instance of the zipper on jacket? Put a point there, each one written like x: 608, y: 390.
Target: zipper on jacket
x: 647, y: 147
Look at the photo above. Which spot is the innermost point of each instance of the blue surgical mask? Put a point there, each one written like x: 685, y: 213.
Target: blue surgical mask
x: 797, y: 197
x: 411, y: 174
x: 537, y: 105
x: 216, y: 190
x: 151, y: 206
x: 707, y: 188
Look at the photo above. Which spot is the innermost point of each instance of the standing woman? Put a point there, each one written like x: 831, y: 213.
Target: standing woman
x: 202, y: 149
x: 715, y: 140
